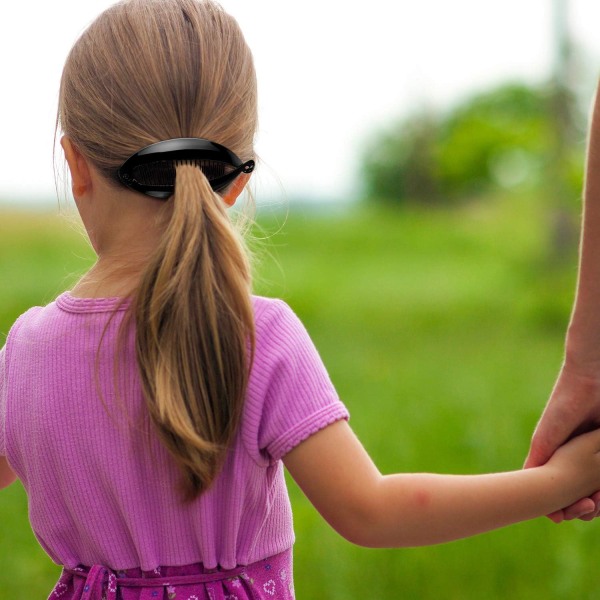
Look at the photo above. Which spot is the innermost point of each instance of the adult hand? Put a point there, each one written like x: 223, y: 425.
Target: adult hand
x: 573, y: 408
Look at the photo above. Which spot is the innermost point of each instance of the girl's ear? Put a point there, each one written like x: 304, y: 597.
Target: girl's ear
x: 79, y: 168
x: 236, y: 188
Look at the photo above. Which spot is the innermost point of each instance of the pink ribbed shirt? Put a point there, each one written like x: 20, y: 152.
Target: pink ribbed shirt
x: 101, y: 491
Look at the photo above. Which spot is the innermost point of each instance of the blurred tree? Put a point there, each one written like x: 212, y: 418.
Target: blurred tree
x: 567, y: 166
x: 502, y: 138
x: 401, y: 162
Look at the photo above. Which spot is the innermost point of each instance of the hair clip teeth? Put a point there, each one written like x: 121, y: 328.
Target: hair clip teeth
x: 151, y: 171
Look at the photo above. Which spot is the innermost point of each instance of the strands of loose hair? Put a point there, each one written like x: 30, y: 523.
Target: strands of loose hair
x: 146, y: 71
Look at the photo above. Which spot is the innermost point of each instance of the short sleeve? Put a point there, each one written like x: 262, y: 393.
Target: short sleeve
x: 3, y: 391
x: 290, y: 394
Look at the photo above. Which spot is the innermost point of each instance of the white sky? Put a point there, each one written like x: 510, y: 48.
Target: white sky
x: 328, y: 72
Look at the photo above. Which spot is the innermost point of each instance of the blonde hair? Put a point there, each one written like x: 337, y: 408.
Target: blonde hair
x: 151, y: 70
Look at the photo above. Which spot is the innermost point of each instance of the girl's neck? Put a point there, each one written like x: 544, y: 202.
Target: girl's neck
x: 124, y: 228
x: 107, y: 281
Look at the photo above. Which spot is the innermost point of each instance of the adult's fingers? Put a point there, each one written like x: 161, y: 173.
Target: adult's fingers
x: 584, y: 509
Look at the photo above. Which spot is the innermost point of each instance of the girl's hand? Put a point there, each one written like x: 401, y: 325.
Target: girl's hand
x: 573, y: 408
x: 576, y: 467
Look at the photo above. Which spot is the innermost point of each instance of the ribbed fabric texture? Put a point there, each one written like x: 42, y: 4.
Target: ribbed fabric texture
x: 101, y: 491
x: 2, y: 401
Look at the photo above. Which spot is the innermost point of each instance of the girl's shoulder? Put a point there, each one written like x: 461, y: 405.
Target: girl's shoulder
x: 290, y: 395
x: 276, y: 322
x: 38, y: 316
x: 269, y: 308
x: 55, y: 317
x: 282, y: 343
x: 29, y: 317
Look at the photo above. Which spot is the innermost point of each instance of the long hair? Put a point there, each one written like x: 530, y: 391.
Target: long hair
x: 151, y: 70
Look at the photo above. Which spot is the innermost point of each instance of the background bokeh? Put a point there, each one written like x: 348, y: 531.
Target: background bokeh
x: 329, y: 73
x: 418, y: 206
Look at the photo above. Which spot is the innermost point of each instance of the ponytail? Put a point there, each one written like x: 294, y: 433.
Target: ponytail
x: 195, y: 331
x: 192, y: 310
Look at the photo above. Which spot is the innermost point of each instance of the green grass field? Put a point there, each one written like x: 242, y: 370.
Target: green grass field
x: 442, y: 332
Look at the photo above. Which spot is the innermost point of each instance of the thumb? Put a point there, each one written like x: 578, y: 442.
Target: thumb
x: 543, y: 446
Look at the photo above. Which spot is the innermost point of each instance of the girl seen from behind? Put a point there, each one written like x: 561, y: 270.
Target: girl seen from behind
x: 149, y: 411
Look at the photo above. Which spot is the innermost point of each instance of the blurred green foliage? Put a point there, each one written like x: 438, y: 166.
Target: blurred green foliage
x: 512, y: 137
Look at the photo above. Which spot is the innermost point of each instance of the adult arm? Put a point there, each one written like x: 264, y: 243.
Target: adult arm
x: 6, y: 473
x: 574, y: 405
x: 369, y: 509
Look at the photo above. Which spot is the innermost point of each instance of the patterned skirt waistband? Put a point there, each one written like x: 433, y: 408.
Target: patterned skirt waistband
x: 266, y: 579
x: 102, y: 583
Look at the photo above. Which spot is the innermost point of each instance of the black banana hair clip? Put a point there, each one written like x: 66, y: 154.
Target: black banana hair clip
x: 151, y: 171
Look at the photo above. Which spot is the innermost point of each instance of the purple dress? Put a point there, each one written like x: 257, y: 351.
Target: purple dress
x: 102, y: 489
x: 265, y: 579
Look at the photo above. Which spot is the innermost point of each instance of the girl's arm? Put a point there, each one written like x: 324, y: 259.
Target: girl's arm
x: 6, y: 473
x: 369, y: 509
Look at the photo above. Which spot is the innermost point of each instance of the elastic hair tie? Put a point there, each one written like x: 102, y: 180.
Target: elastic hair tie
x: 151, y: 171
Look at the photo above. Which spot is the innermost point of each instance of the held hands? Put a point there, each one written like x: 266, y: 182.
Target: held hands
x: 576, y: 468
x: 573, y: 408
